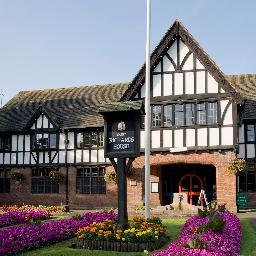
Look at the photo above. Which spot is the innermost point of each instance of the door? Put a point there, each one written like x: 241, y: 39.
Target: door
x: 191, y: 184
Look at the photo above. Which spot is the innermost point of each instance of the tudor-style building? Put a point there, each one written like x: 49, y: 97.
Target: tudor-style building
x: 201, y: 120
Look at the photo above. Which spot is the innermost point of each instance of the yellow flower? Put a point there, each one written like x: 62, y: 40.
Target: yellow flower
x: 123, y: 239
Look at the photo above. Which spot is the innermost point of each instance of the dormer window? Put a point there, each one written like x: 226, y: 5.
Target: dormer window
x: 5, y: 143
x: 44, y: 141
x: 89, y: 139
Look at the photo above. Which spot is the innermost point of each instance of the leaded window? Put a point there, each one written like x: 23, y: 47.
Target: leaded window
x: 189, y: 114
x: 179, y: 114
x: 250, y: 133
x: 89, y: 139
x: 201, y: 113
x: 42, y: 183
x: 168, y: 115
x: 90, y: 180
x: 247, y: 181
x: 212, y: 113
x: 44, y: 141
x: 5, y: 180
x: 156, y: 115
x: 6, y: 143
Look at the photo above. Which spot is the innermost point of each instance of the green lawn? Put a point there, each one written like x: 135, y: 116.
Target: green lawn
x: 62, y: 248
x: 173, y: 228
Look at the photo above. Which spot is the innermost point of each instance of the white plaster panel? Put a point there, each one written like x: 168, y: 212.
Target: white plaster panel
x: 27, y: 142
x: 228, y: 119
x: 51, y: 126
x: 142, y: 139
x: 32, y: 158
x: 156, y: 85
x: 33, y: 126
x: 167, y: 64
x: 41, y: 157
x: 227, y: 135
x: 158, y: 67
x: 54, y: 158
x: 250, y: 150
x: 189, y: 63
x: 212, y: 84
x: 13, y: 158
x: 142, y: 91
x: 223, y: 104
x: 71, y: 143
x: 199, y: 65
x: 178, y: 83
x: 45, y: 122
x: 167, y: 84
x: 241, y: 134
x: 222, y: 91
x: 202, y: 137
x: 200, y: 82
x: 62, y: 156
x: 214, y: 136
x: 70, y: 156
x: 136, y: 96
x: 241, y: 153
x: 94, y: 156
x: 7, y: 158
x: 61, y: 142
x: 26, y: 157
x: 178, y: 138
x: 183, y: 50
x: 78, y: 156
x: 14, y: 142
x: 190, y: 137
x: 167, y: 138
x: 173, y: 52
x: 1, y: 158
x: 20, y: 158
x: 101, y: 155
x: 39, y: 122
x: 155, y: 139
x: 46, y: 157
x: 86, y: 155
x: 20, y: 142
x: 189, y: 83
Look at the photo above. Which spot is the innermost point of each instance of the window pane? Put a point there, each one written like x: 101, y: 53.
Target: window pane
x: 53, y: 140
x: 179, y: 115
x: 101, y: 139
x: 94, y: 137
x: 156, y: 115
x: 189, y: 114
x: 86, y: 140
x: 250, y: 132
x: 168, y: 115
x: 79, y: 140
x: 201, y: 113
x: 212, y: 113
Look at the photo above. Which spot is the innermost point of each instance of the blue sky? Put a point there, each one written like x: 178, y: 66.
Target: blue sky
x: 61, y: 43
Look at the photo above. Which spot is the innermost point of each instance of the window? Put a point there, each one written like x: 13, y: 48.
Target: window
x: 44, y: 141
x: 201, y: 113
x: 250, y: 133
x: 189, y: 114
x: 212, y: 113
x: 156, y: 116
x: 90, y: 180
x: 247, y: 181
x: 6, y: 143
x: 4, y: 180
x: 168, y: 115
x: 179, y: 114
x: 89, y: 139
x: 42, y: 183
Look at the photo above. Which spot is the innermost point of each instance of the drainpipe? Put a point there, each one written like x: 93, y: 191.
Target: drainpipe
x: 66, y: 141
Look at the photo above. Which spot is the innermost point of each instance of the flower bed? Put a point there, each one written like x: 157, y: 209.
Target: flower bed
x: 19, y: 216
x: 16, y: 239
x: 50, y: 209
x: 204, y: 235
x: 141, y: 235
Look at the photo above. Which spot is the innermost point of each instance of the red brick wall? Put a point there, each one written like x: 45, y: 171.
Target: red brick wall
x: 226, y: 183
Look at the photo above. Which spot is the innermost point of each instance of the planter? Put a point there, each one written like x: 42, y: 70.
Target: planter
x: 120, y: 246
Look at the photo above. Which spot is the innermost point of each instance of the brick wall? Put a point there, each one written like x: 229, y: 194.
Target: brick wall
x: 226, y: 183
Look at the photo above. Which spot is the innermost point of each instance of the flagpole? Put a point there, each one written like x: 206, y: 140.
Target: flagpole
x: 148, y: 116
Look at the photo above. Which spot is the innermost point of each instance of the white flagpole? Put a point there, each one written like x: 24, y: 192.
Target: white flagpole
x: 148, y: 116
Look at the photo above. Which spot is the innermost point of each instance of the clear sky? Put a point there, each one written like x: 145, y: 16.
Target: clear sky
x: 61, y: 43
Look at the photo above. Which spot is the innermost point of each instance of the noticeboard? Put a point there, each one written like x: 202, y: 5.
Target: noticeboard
x: 242, y: 200
x: 122, y: 135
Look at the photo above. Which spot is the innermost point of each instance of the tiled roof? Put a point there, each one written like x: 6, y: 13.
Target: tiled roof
x: 71, y: 107
x: 121, y: 106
